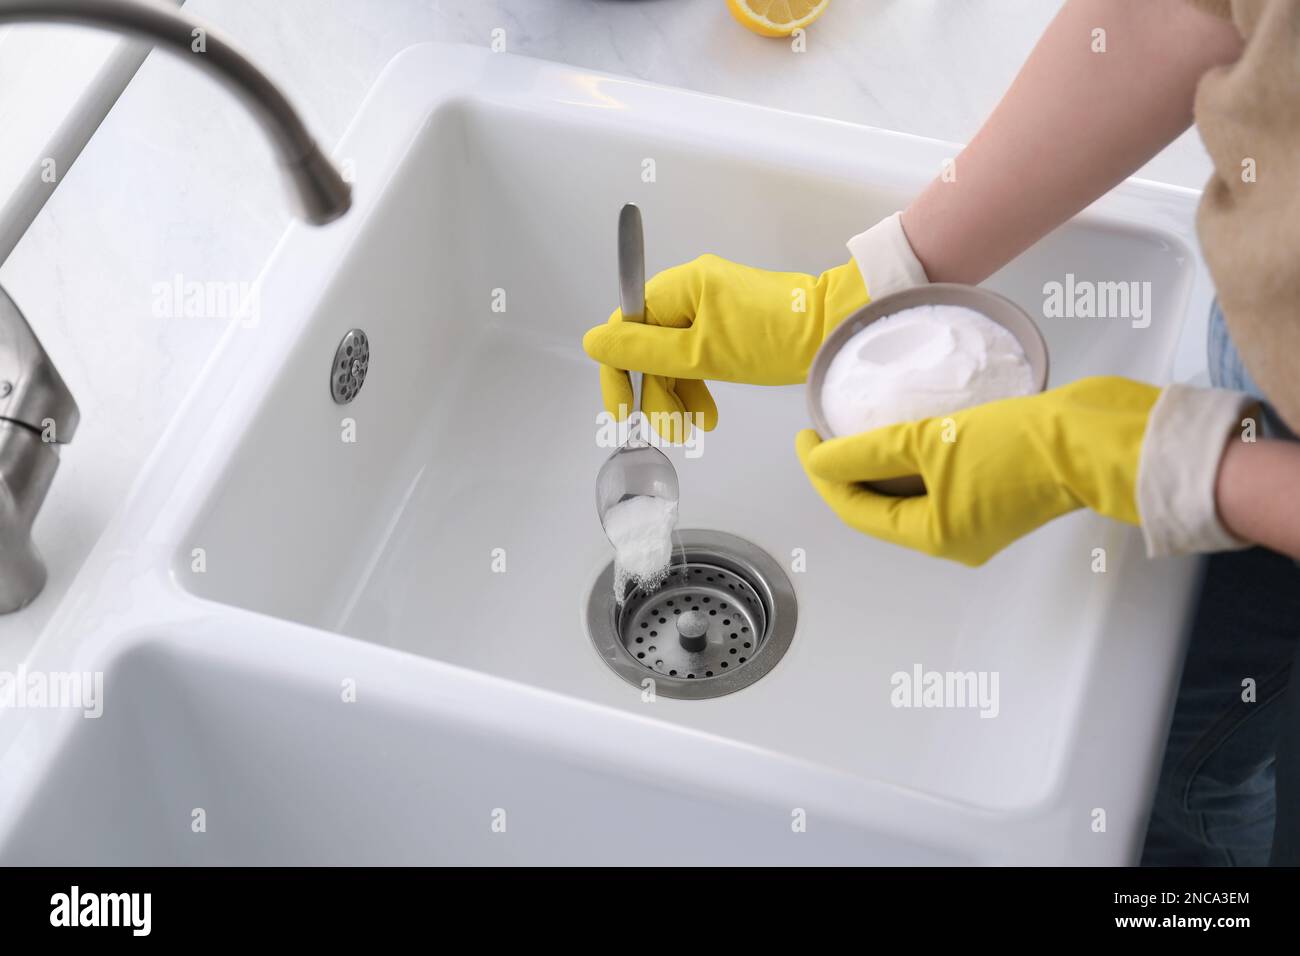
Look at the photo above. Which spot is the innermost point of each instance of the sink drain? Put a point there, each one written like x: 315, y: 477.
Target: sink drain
x: 720, y: 621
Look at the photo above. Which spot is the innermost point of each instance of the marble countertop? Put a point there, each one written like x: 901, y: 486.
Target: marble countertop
x: 56, y: 84
x: 177, y: 181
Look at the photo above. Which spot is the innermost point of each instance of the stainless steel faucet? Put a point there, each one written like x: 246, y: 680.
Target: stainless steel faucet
x: 37, y: 411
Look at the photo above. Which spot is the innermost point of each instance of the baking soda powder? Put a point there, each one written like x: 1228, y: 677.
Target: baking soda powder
x: 641, y: 531
x: 921, y: 362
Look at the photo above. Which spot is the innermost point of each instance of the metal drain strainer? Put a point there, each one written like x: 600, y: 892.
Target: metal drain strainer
x: 721, y: 620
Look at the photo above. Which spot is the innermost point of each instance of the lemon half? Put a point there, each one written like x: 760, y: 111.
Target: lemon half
x: 776, y: 18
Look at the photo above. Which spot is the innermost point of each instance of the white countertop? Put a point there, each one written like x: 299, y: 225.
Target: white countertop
x: 56, y: 85
x: 178, y: 182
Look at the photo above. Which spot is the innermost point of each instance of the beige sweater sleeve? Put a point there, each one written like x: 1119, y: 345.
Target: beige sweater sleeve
x: 1248, y: 114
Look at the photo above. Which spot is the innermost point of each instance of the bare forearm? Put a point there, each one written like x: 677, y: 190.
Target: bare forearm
x: 1074, y: 124
x: 1258, y: 493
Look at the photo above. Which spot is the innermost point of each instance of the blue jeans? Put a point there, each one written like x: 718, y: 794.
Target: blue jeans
x: 1215, y: 802
x: 1228, y: 371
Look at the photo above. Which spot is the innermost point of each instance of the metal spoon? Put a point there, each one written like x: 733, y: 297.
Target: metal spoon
x: 636, y: 468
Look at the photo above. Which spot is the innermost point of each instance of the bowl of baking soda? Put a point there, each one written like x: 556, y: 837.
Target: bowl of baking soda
x: 925, y: 352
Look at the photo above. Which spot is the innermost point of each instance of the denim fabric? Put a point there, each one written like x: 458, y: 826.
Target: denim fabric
x: 1228, y: 371
x: 1286, y: 832
x: 1215, y: 802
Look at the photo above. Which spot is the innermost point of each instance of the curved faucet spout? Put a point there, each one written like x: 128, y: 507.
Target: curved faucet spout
x: 320, y: 191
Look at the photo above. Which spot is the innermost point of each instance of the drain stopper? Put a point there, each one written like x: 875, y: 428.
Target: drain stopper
x: 718, y: 622
x: 693, y: 630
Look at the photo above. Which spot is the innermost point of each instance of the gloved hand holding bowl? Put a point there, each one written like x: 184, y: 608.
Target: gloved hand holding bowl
x: 989, y: 473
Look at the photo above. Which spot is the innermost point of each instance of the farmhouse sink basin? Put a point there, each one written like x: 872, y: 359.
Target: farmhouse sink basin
x: 356, y: 633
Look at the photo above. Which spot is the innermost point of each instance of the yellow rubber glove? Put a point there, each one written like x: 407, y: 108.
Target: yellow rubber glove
x: 716, y: 319
x: 994, y: 472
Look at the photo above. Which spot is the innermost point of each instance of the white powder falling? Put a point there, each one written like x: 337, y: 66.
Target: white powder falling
x: 641, y: 531
x: 920, y: 362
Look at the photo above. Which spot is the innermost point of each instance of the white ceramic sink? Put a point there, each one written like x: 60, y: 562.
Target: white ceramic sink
x: 330, y: 564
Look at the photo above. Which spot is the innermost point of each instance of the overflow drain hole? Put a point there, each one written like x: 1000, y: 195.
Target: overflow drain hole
x: 351, y: 365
